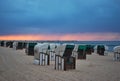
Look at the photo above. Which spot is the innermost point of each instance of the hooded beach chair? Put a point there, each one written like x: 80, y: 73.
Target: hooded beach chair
x: 100, y: 49
x: 41, y: 56
x: 116, y: 50
x: 63, y: 58
x: 81, y: 52
x: 30, y: 48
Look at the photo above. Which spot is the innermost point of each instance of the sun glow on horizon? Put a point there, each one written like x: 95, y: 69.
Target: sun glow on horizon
x: 80, y: 36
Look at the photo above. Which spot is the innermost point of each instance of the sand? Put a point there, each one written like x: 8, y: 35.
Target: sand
x: 17, y: 66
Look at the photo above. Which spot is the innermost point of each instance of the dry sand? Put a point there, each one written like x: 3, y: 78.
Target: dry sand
x: 17, y: 66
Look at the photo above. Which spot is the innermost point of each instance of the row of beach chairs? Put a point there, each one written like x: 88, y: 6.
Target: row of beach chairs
x: 63, y: 55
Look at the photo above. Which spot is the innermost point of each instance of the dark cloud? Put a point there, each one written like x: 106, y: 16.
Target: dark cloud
x: 59, y: 16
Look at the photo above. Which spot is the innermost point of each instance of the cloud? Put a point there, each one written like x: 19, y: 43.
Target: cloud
x: 59, y: 16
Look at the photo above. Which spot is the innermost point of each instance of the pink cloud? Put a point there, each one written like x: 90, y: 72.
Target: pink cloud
x: 78, y: 36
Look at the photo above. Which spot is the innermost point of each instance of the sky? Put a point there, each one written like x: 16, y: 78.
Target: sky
x: 60, y: 19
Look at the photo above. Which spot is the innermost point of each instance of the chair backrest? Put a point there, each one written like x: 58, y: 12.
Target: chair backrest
x: 101, y: 47
x: 44, y: 48
x: 60, y: 50
x: 31, y: 45
x: 36, y: 50
x: 82, y: 47
x: 68, y: 50
x: 75, y: 48
x: 88, y: 47
x: 20, y: 44
x: 2, y: 43
x: 64, y: 50
x: 116, y: 49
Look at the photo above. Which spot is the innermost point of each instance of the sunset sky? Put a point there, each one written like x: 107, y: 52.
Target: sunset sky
x: 59, y: 19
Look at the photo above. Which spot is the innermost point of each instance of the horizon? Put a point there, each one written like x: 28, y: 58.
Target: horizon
x: 68, y: 37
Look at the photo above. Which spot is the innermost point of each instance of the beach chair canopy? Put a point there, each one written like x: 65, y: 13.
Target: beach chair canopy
x: 100, y: 46
x: 82, y: 47
x: 106, y: 47
x: 15, y: 43
x: 52, y: 47
x: 2, y: 43
x: 20, y: 43
x: 44, y: 48
x: 9, y: 43
x: 92, y: 46
x: 64, y: 50
x: 75, y: 48
x: 60, y: 50
x: 89, y: 46
x: 31, y: 45
x: 37, y: 50
x: 116, y: 49
x: 37, y: 47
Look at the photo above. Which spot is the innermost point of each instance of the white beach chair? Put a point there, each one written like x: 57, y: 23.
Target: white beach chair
x: 116, y: 53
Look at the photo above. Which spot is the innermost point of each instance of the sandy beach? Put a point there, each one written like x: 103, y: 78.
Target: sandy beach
x: 15, y: 65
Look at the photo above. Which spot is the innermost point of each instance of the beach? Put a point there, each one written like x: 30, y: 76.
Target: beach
x: 15, y: 65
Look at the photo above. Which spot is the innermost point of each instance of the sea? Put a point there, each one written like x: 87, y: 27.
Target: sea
x: 110, y: 44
